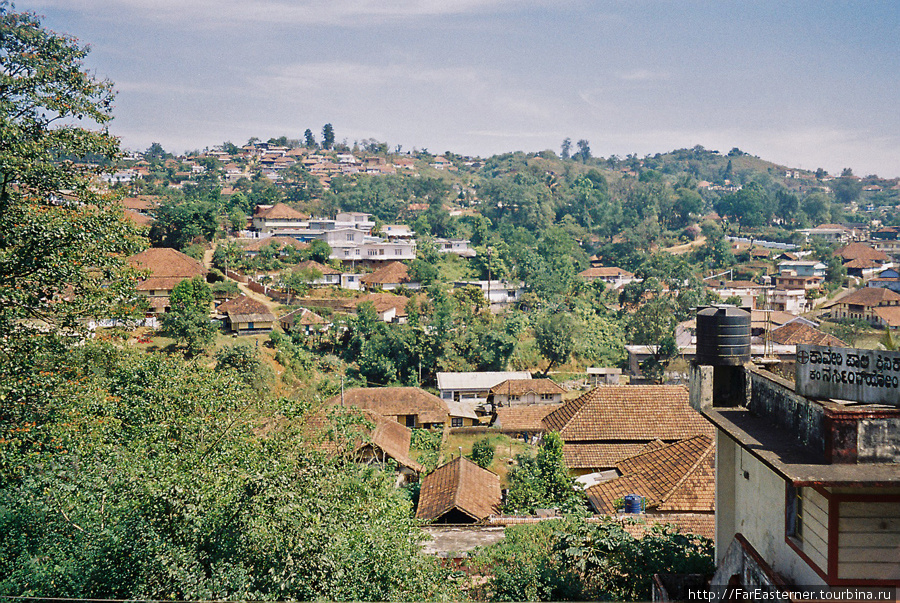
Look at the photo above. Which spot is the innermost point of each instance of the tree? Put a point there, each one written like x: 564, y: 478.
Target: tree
x: 556, y: 338
x: 483, y: 453
x: 188, y: 322
x: 584, y: 150
x: 309, y: 139
x: 62, y: 243
x: 327, y: 136
x: 542, y: 481
x: 566, y: 148
x: 318, y: 251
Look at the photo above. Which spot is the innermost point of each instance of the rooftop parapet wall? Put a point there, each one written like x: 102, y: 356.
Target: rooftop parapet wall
x: 773, y: 397
x: 831, y: 432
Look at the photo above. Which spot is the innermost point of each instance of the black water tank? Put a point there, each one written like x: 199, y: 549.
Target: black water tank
x: 723, y: 336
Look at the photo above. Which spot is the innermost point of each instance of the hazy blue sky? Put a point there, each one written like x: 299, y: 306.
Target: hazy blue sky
x: 805, y: 83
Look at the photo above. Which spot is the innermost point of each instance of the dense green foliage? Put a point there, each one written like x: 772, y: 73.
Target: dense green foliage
x: 573, y: 560
x: 483, y: 452
x: 542, y: 481
x: 147, y: 479
x: 188, y: 321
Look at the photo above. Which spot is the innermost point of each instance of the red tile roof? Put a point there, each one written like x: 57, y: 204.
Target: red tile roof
x: 679, y: 477
x: 861, y: 251
x: 519, y: 387
x: 460, y: 485
x: 628, y: 413
x: 867, y: 296
x: 395, y: 272
x: 799, y: 332
x: 395, y: 402
x: 528, y: 418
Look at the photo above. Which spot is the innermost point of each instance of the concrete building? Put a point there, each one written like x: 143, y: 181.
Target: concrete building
x: 807, y: 490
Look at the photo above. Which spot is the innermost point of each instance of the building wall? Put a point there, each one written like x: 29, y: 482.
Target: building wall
x: 750, y: 500
x: 868, y: 535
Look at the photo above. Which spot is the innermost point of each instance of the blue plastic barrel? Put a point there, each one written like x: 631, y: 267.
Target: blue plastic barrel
x: 633, y: 503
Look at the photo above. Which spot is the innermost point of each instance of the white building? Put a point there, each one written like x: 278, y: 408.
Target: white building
x: 474, y: 387
x: 461, y: 247
x: 496, y: 291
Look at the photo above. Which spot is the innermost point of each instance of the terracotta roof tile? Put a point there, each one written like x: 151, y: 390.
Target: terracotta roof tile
x: 258, y: 244
x: 388, y: 436
x: 867, y: 296
x: 461, y: 485
x: 523, y: 418
x: 598, y: 456
x: 311, y: 264
x: 395, y: 272
x: 396, y: 401
x: 677, y: 477
x: 163, y: 262
x: 628, y: 413
x: 280, y: 211
x: 519, y: 387
x: 605, y: 271
x: 799, y: 332
x: 861, y: 251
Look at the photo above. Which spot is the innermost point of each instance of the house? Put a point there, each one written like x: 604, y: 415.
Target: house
x: 792, y: 301
x: 164, y: 269
x: 603, y: 376
x: 612, y: 276
x: 375, y: 441
x: 328, y: 276
x: 389, y: 277
x: 397, y: 231
x: 522, y: 421
x: 459, y: 492
x: 246, y: 316
x: 460, y: 247
x: 671, y: 479
x: 410, y: 406
x: 863, y: 261
x: 277, y: 218
x: 521, y: 392
x: 303, y: 320
x: 388, y: 307
x: 802, y: 268
x: 474, y: 387
x: 831, y: 233
x: 610, y: 423
x: 886, y: 279
x: 496, y: 291
x: 747, y: 291
x: 276, y: 245
x: 798, y: 331
x: 864, y: 304
x: 807, y: 489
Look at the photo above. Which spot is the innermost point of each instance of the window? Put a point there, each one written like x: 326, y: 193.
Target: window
x: 398, y: 251
x: 249, y: 325
x: 794, y: 512
x: 349, y: 236
x: 546, y: 396
x: 411, y: 421
x: 514, y: 398
x: 456, y: 422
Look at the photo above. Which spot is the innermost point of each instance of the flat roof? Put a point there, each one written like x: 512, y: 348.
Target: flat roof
x: 773, y: 446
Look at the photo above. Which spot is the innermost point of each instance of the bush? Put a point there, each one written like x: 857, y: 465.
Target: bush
x: 483, y: 453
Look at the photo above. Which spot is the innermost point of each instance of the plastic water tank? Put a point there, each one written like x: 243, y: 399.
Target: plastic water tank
x: 723, y: 336
x: 633, y: 504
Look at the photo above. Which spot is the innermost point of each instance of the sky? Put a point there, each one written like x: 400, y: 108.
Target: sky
x: 806, y: 84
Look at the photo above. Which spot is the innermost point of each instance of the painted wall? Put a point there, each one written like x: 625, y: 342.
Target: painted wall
x: 750, y: 500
